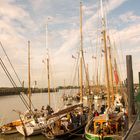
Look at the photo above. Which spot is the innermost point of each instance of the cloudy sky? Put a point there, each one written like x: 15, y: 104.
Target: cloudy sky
x: 23, y: 20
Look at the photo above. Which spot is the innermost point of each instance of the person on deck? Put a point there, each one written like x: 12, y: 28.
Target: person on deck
x: 95, y: 113
x: 102, y: 109
x: 50, y: 110
x: 74, y: 119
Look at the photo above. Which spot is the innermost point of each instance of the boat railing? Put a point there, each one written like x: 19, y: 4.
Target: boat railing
x: 88, y: 124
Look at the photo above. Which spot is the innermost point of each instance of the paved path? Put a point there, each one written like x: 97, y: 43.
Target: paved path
x: 135, y: 132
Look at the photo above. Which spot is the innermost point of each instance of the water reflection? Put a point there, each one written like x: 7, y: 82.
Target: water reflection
x: 20, y: 137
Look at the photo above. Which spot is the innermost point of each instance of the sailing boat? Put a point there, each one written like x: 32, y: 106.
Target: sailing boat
x: 108, y: 126
x: 73, y: 119
x: 32, y: 121
x: 28, y: 126
x: 10, y: 128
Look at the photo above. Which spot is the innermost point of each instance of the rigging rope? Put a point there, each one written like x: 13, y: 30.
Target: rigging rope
x: 10, y: 77
x: 12, y: 81
x: 10, y: 63
x: 75, y: 72
x: 21, y: 96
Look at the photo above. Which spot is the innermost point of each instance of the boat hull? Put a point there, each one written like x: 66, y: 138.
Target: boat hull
x: 10, y: 128
x: 29, y: 130
x: 71, y: 133
x: 8, y: 132
x: 89, y: 136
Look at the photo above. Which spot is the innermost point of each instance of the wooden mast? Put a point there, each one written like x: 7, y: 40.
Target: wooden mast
x: 81, y: 55
x: 78, y: 81
x: 87, y: 81
x: 48, y: 67
x: 111, y: 75
x: 29, y: 77
x: 115, y: 68
x: 105, y: 53
x: 111, y: 71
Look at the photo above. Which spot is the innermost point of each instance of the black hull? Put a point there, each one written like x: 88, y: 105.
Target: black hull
x: 75, y: 132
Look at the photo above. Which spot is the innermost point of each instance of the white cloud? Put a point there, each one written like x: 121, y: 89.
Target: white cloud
x: 15, y: 23
x: 113, y: 4
x: 88, y: 10
x: 37, y: 4
x: 127, y: 42
x: 129, y: 17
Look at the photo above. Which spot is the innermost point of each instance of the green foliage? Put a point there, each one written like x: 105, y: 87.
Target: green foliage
x: 138, y: 96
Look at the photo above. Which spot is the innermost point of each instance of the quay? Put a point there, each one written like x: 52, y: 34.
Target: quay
x: 134, y: 133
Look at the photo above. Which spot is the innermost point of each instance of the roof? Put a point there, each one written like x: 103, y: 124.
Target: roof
x: 105, y: 117
x: 64, y: 111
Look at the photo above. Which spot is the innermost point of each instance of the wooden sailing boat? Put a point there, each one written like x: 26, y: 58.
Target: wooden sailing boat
x: 31, y: 120
x: 37, y: 118
x: 16, y: 126
x: 28, y: 126
x: 108, y: 126
x: 10, y: 128
x: 71, y: 120
x: 66, y: 122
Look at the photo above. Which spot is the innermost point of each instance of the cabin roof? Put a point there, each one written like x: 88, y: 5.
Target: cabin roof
x: 104, y: 117
x: 101, y: 117
x: 64, y: 111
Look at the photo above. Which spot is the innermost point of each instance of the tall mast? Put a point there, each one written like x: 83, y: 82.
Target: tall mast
x: 88, y: 94
x: 116, y: 74
x: 81, y: 55
x: 48, y: 66
x: 48, y: 69
x: 111, y: 72
x: 78, y: 81
x: 105, y: 53
x: 87, y: 81
x: 29, y: 77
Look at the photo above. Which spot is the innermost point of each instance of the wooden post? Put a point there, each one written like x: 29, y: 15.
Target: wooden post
x: 139, y: 80
x: 139, y: 93
x: 130, y: 88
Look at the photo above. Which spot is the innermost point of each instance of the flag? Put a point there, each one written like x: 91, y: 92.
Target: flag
x: 116, y: 77
x: 103, y: 51
x: 43, y: 61
x: 73, y: 57
x: 115, y: 72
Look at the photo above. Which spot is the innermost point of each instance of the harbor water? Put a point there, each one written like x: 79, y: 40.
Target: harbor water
x: 10, y: 103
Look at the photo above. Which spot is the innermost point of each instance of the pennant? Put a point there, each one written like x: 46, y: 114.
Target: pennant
x: 116, y: 77
x: 115, y: 72
x: 103, y: 51
x: 73, y: 57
